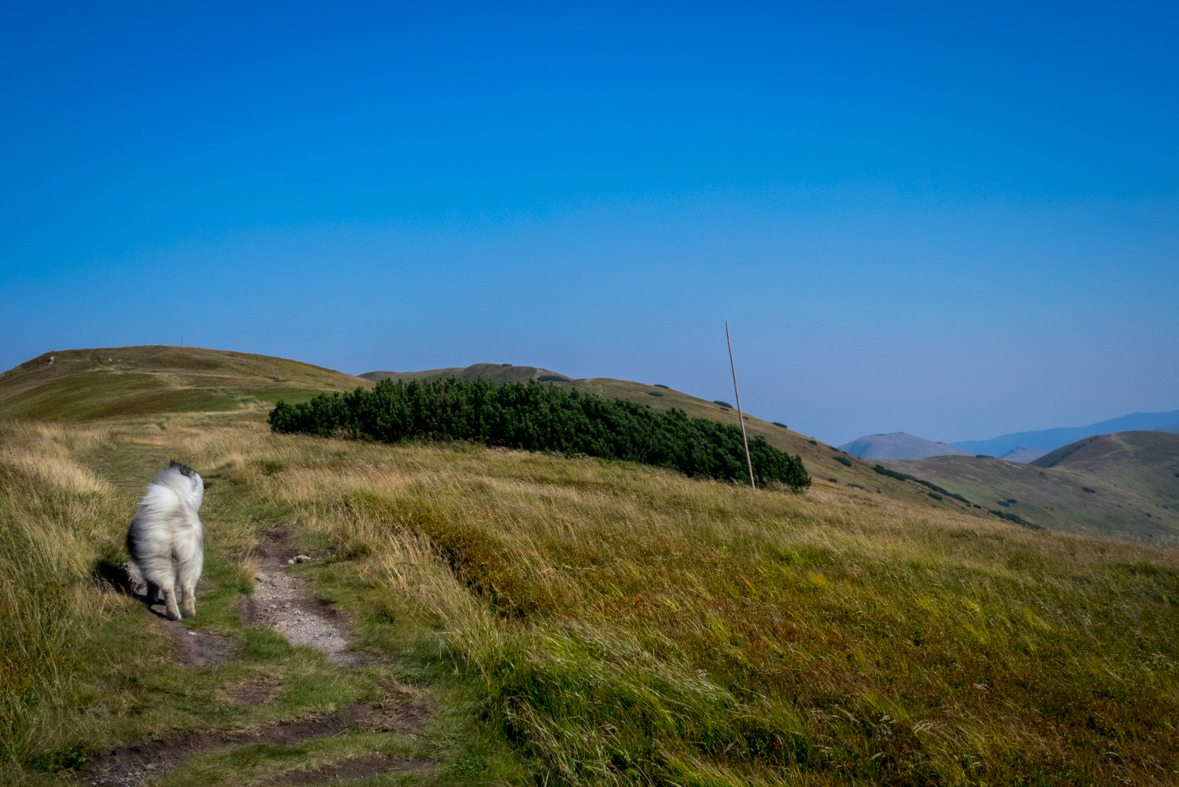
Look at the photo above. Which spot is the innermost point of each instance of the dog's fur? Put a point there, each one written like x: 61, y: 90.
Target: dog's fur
x: 166, y: 539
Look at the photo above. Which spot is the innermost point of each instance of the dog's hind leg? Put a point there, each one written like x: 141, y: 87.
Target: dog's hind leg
x: 189, y: 590
x: 170, y: 607
x: 152, y: 594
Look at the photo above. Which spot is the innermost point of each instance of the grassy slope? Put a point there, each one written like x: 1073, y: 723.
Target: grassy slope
x: 1133, y: 475
x: 820, y: 459
x: 611, y: 623
x: 82, y: 385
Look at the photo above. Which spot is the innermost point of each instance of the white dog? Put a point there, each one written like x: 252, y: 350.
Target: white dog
x: 166, y: 539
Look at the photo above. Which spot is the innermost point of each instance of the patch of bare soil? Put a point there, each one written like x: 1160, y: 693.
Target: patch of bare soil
x: 190, y: 647
x: 355, y: 768
x: 141, y: 762
x: 286, y: 603
x: 196, y: 648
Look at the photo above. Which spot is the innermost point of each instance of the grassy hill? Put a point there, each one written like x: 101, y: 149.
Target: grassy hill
x: 898, y: 445
x: 828, y: 466
x: 1120, y: 484
x: 537, y: 619
x: 80, y: 385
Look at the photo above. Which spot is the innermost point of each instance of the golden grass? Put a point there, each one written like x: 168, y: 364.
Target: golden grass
x: 629, y: 625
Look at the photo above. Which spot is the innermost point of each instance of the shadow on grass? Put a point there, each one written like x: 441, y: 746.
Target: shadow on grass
x: 113, y: 571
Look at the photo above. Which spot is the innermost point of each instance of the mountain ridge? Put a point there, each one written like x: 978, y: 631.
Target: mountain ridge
x: 1051, y: 439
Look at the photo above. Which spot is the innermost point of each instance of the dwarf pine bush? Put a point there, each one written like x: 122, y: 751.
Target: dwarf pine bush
x: 539, y: 417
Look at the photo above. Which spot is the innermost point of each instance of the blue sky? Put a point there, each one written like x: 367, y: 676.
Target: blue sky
x: 952, y: 221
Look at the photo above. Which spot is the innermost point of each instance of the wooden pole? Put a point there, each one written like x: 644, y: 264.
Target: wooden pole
x: 740, y: 416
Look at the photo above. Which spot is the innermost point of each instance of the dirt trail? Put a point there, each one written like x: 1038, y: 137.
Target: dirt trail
x: 287, y: 603
x: 190, y: 647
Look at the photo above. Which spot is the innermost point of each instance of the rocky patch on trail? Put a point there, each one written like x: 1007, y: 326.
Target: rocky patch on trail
x: 285, y: 602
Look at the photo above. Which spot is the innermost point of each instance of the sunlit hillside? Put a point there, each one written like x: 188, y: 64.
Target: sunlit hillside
x: 519, y: 618
x: 1122, y: 485
x: 828, y: 466
x: 79, y: 385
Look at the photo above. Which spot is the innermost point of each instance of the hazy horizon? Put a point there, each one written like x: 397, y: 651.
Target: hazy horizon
x: 953, y: 222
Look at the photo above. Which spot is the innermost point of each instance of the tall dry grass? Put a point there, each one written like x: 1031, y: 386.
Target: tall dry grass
x: 632, y: 626
x: 55, y: 523
x: 626, y: 625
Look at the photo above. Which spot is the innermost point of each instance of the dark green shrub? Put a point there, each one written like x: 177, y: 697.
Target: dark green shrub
x: 843, y: 460
x: 1017, y: 519
x: 935, y: 495
x: 661, y: 385
x: 776, y: 423
x: 540, y: 417
x: 1087, y: 489
x: 654, y: 393
x: 890, y: 473
x: 813, y: 442
x: 553, y: 378
x: 722, y: 404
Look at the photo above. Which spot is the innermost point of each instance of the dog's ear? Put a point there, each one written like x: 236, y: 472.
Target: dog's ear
x: 182, y: 469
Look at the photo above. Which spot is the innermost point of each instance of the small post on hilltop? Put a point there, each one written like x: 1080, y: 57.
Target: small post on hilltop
x: 740, y: 416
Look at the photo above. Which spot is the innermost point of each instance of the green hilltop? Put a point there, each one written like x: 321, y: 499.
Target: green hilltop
x: 81, y: 385
x: 1122, y: 484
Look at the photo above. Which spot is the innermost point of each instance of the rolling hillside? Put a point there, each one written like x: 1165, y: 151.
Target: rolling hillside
x: 80, y: 385
x: 468, y: 615
x: 1114, y: 484
x: 828, y: 466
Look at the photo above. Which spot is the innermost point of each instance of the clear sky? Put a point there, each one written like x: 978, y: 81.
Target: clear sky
x: 955, y: 220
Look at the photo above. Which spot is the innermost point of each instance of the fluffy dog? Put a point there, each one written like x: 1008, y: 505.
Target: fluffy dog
x: 166, y: 539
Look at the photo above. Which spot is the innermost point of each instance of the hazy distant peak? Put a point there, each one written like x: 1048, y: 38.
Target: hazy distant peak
x: 899, y: 445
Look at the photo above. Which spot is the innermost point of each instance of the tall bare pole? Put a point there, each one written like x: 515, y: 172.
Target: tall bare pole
x: 740, y: 417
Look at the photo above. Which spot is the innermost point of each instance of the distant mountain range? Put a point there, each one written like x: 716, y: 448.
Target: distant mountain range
x: 1050, y: 439
x: 1020, y: 447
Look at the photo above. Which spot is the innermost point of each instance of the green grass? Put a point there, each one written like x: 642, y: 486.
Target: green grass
x: 82, y: 385
x: 1130, y: 473
x: 586, y: 622
x: 84, y: 668
x: 597, y: 622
